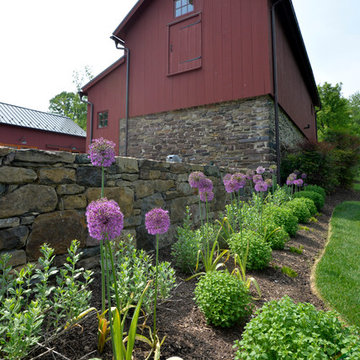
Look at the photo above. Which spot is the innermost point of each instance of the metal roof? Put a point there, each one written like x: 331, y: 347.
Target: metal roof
x: 20, y: 116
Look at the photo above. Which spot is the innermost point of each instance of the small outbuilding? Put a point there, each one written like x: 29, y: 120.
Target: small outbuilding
x: 26, y: 128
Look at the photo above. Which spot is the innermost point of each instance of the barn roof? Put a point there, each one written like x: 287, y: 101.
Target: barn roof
x: 20, y: 116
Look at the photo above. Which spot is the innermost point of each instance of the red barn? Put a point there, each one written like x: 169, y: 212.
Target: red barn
x: 227, y: 82
x: 27, y: 128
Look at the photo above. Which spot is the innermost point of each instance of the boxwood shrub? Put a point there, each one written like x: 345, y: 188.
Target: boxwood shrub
x: 259, y: 254
x: 283, y: 330
x: 310, y: 205
x: 299, y: 209
x: 275, y: 235
x: 223, y: 298
x: 317, y: 189
x: 282, y: 216
x: 314, y: 196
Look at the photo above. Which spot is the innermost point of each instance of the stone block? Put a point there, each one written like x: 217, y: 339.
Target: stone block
x: 127, y: 165
x: 57, y: 176
x: 148, y: 174
x: 143, y: 188
x: 69, y: 189
x: 163, y: 185
x: 48, y: 157
x: 71, y: 202
x: 154, y: 201
x: 28, y: 198
x: 18, y: 257
x: 13, y: 238
x: 82, y: 159
x: 16, y: 175
x: 124, y: 196
x: 130, y: 177
x: 10, y: 222
x: 58, y: 229
x: 27, y: 220
x: 88, y: 176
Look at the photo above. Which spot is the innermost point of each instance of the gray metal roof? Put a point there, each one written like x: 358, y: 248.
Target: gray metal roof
x: 19, y: 116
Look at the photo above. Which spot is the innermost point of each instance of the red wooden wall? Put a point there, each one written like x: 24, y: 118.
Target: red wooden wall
x: 294, y: 97
x: 45, y: 140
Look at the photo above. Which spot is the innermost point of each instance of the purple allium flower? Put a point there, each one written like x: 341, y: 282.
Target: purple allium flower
x: 260, y: 170
x: 104, y: 218
x: 157, y: 221
x: 291, y: 178
x: 272, y: 169
x: 303, y: 176
x: 205, y: 184
x: 194, y: 178
x: 257, y: 178
x: 250, y: 174
x: 269, y: 182
x: 298, y: 182
x: 289, y: 182
x: 102, y: 152
x: 261, y: 186
x: 230, y: 186
x: 226, y: 179
x: 239, y: 181
x: 206, y: 195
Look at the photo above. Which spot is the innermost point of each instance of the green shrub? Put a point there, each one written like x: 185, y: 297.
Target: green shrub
x: 275, y: 235
x: 134, y: 268
x: 280, y: 196
x: 314, y: 196
x: 223, y: 298
x: 316, y: 188
x: 310, y: 205
x: 283, y: 330
x: 259, y: 254
x: 282, y: 216
x: 299, y: 209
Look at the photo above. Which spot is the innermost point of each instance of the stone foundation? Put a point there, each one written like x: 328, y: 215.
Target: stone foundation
x: 237, y: 134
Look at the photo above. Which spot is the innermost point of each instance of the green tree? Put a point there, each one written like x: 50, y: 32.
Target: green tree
x: 354, y: 105
x: 335, y: 111
x: 69, y: 104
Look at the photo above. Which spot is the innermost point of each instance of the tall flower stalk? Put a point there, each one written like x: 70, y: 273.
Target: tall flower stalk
x: 157, y: 221
x: 194, y: 180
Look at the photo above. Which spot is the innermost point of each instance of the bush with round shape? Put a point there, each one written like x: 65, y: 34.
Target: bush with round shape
x: 259, y: 254
x: 282, y: 216
x: 275, y: 235
x: 310, y: 205
x: 223, y: 298
x: 317, y: 189
x: 283, y: 330
x: 314, y: 196
x: 299, y: 209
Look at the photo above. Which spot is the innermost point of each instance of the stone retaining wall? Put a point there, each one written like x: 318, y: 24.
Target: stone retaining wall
x: 43, y: 197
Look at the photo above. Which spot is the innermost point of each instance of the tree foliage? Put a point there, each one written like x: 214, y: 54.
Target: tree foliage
x: 69, y: 104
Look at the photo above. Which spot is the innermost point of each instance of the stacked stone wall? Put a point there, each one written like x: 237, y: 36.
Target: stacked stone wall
x: 44, y: 195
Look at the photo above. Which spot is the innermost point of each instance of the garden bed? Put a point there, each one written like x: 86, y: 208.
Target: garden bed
x: 187, y: 334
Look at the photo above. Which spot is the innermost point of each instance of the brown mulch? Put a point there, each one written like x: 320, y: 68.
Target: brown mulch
x: 187, y: 334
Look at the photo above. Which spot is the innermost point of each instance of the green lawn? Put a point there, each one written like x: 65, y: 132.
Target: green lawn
x: 337, y: 274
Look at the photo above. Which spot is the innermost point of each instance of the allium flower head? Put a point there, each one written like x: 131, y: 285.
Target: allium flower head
x: 227, y: 178
x: 290, y: 179
x: 206, y: 195
x: 104, y: 219
x: 257, y: 178
x: 194, y: 178
x: 269, y: 182
x: 298, y: 182
x: 260, y: 170
x: 239, y: 181
x: 261, y: 186
x: 157, y: 221
x: 272, y: 169
x: 205, y: 184
x: 250, y: 174
x: 102, y: 152
x: 303, y: 176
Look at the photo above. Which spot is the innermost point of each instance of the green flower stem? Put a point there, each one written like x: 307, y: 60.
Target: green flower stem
x: 207, y: 208
x: 109, y: 303
x: 156, y: 281
x: 102, y: 181
x: 201, y: 220
x: 102, y: 277
x: 114, y: 276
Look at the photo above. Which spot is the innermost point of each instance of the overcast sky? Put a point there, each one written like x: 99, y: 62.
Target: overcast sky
x: 42, y: 42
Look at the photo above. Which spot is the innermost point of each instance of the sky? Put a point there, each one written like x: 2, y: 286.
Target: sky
x: 43, y: 42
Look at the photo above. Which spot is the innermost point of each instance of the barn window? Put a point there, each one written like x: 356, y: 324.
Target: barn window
x: 102, y: 119
x: 185, y: 45
x: 182, y: 7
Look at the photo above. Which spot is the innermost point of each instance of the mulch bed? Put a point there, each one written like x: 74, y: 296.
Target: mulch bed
x: 187, y: 334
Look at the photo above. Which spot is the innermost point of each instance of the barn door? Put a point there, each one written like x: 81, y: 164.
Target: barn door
x: 185, y: 45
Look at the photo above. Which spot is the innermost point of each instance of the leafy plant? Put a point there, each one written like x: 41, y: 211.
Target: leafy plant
x: 299, y: 209
x: 257, y: 249
x: 314, y: 196
x: 284, y: 330
x: 275, y: 235
x: 222, y: 298
x: 288, y: 271
x: 297, y: 250
x: 316, y: 188
x: 134, y: 269
x: 282, y: 216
